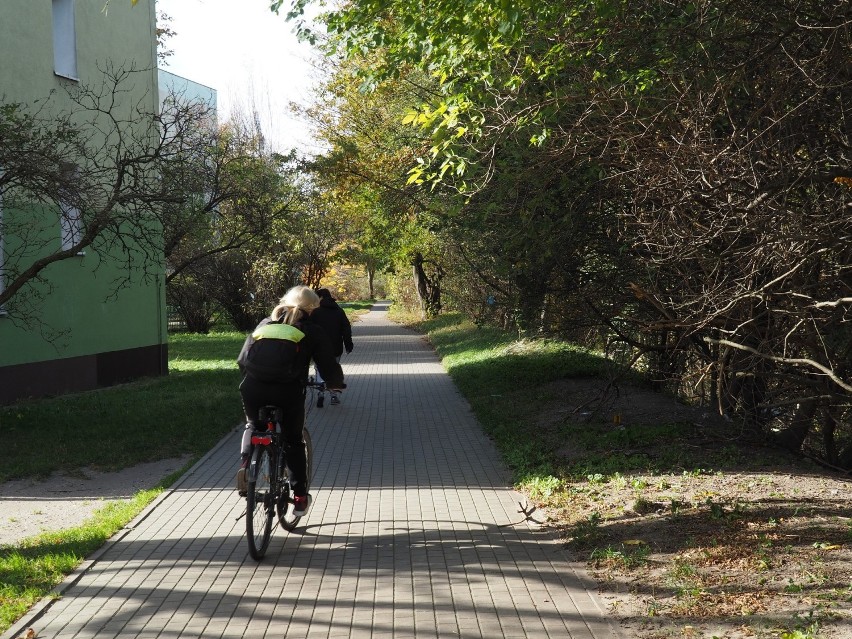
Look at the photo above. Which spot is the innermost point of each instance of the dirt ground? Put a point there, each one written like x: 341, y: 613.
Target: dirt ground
x: 29, y: 506
x: 751, y: 543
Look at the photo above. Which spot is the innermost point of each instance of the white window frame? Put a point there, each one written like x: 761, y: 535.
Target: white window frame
x: 64, y: 39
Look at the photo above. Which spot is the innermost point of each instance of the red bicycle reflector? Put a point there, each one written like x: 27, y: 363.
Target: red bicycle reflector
x: 258, y: 440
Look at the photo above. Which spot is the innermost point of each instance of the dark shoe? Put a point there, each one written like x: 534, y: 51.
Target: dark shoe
x: 300, y: 505
x: 335, y: 400
x: 242, y: 484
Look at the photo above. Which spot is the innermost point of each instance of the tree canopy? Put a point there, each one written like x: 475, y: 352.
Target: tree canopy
x: 668, y: 179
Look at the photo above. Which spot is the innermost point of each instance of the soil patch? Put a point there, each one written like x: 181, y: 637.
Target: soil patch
x: 31, y: 506
x: 702, y: 534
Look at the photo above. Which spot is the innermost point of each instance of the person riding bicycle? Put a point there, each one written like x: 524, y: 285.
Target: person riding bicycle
x: 333, y: 319
x: 274, y: 362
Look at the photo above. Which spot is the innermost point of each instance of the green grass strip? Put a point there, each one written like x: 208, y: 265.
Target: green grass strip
x: 184, y: 413
x: 31, y: 569
x: 503, y: 378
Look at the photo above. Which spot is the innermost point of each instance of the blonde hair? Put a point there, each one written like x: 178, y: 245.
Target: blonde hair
x: 296, y: 303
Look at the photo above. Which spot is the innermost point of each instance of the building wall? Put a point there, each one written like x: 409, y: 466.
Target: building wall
x: 98, y: 336
x: 186, y: 90
x: 122, y: 33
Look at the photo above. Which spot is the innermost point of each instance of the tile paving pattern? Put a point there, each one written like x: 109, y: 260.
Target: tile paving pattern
x: 414, y: 531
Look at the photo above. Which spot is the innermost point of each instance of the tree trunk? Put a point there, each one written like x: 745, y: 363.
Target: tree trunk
x: 428, y: 289
x: 801, y: 424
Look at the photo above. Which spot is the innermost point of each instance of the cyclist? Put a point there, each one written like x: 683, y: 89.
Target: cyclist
x: 274, y: 362
x: 333, y: 319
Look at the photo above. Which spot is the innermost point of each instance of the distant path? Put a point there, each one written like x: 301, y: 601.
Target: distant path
x: 414, y: 532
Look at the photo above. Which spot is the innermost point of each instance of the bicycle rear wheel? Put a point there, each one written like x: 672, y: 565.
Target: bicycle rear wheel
x: 260, y: 500
x: 285, y: 502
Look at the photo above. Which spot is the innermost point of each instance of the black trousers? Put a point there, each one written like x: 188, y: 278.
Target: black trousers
x: 290, y: 398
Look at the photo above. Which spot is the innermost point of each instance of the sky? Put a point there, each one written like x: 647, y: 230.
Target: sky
x: 250, y: 56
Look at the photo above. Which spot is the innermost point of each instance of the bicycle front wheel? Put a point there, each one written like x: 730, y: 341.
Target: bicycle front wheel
x: 285, y: 503
x: 260, y: 506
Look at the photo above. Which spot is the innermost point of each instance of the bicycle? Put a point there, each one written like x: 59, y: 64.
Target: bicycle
x: 316, y: 388
x: 269, y: 489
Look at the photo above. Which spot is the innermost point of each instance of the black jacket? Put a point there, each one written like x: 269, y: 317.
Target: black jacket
x: 314, y: 345
x: 333, y: 320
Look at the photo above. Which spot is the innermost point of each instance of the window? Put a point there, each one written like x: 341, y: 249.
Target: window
x: 64, y: 39
x: 71, y: 223
x: 70, y: 217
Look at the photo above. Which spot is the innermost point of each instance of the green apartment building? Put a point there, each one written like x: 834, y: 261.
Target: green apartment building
x: 96, y: 321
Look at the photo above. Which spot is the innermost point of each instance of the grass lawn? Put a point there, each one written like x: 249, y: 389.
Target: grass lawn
x: 356, y: 308
x: 186, y: 412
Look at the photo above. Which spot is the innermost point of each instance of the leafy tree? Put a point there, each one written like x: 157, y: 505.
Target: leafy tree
x: 691, y: 156
x: 362, y: 177
x: 373, y: 237
x: 246, y: 233
x: 231, y: 193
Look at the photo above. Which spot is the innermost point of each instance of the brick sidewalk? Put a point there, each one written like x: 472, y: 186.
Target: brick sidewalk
x: 414, y: 532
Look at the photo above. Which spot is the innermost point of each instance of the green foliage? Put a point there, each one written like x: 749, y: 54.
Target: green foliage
x: 247, y: 227
x: 562, y: 145
x: 587, y: 532
x: 360, y: 181
x: 542, y: 487
x: 570, y: 155
x: 528, y: 58
x: 804, y: 627
x: 627, y: 557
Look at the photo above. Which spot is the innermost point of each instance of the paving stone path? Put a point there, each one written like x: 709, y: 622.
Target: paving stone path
x: 414, y: 532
